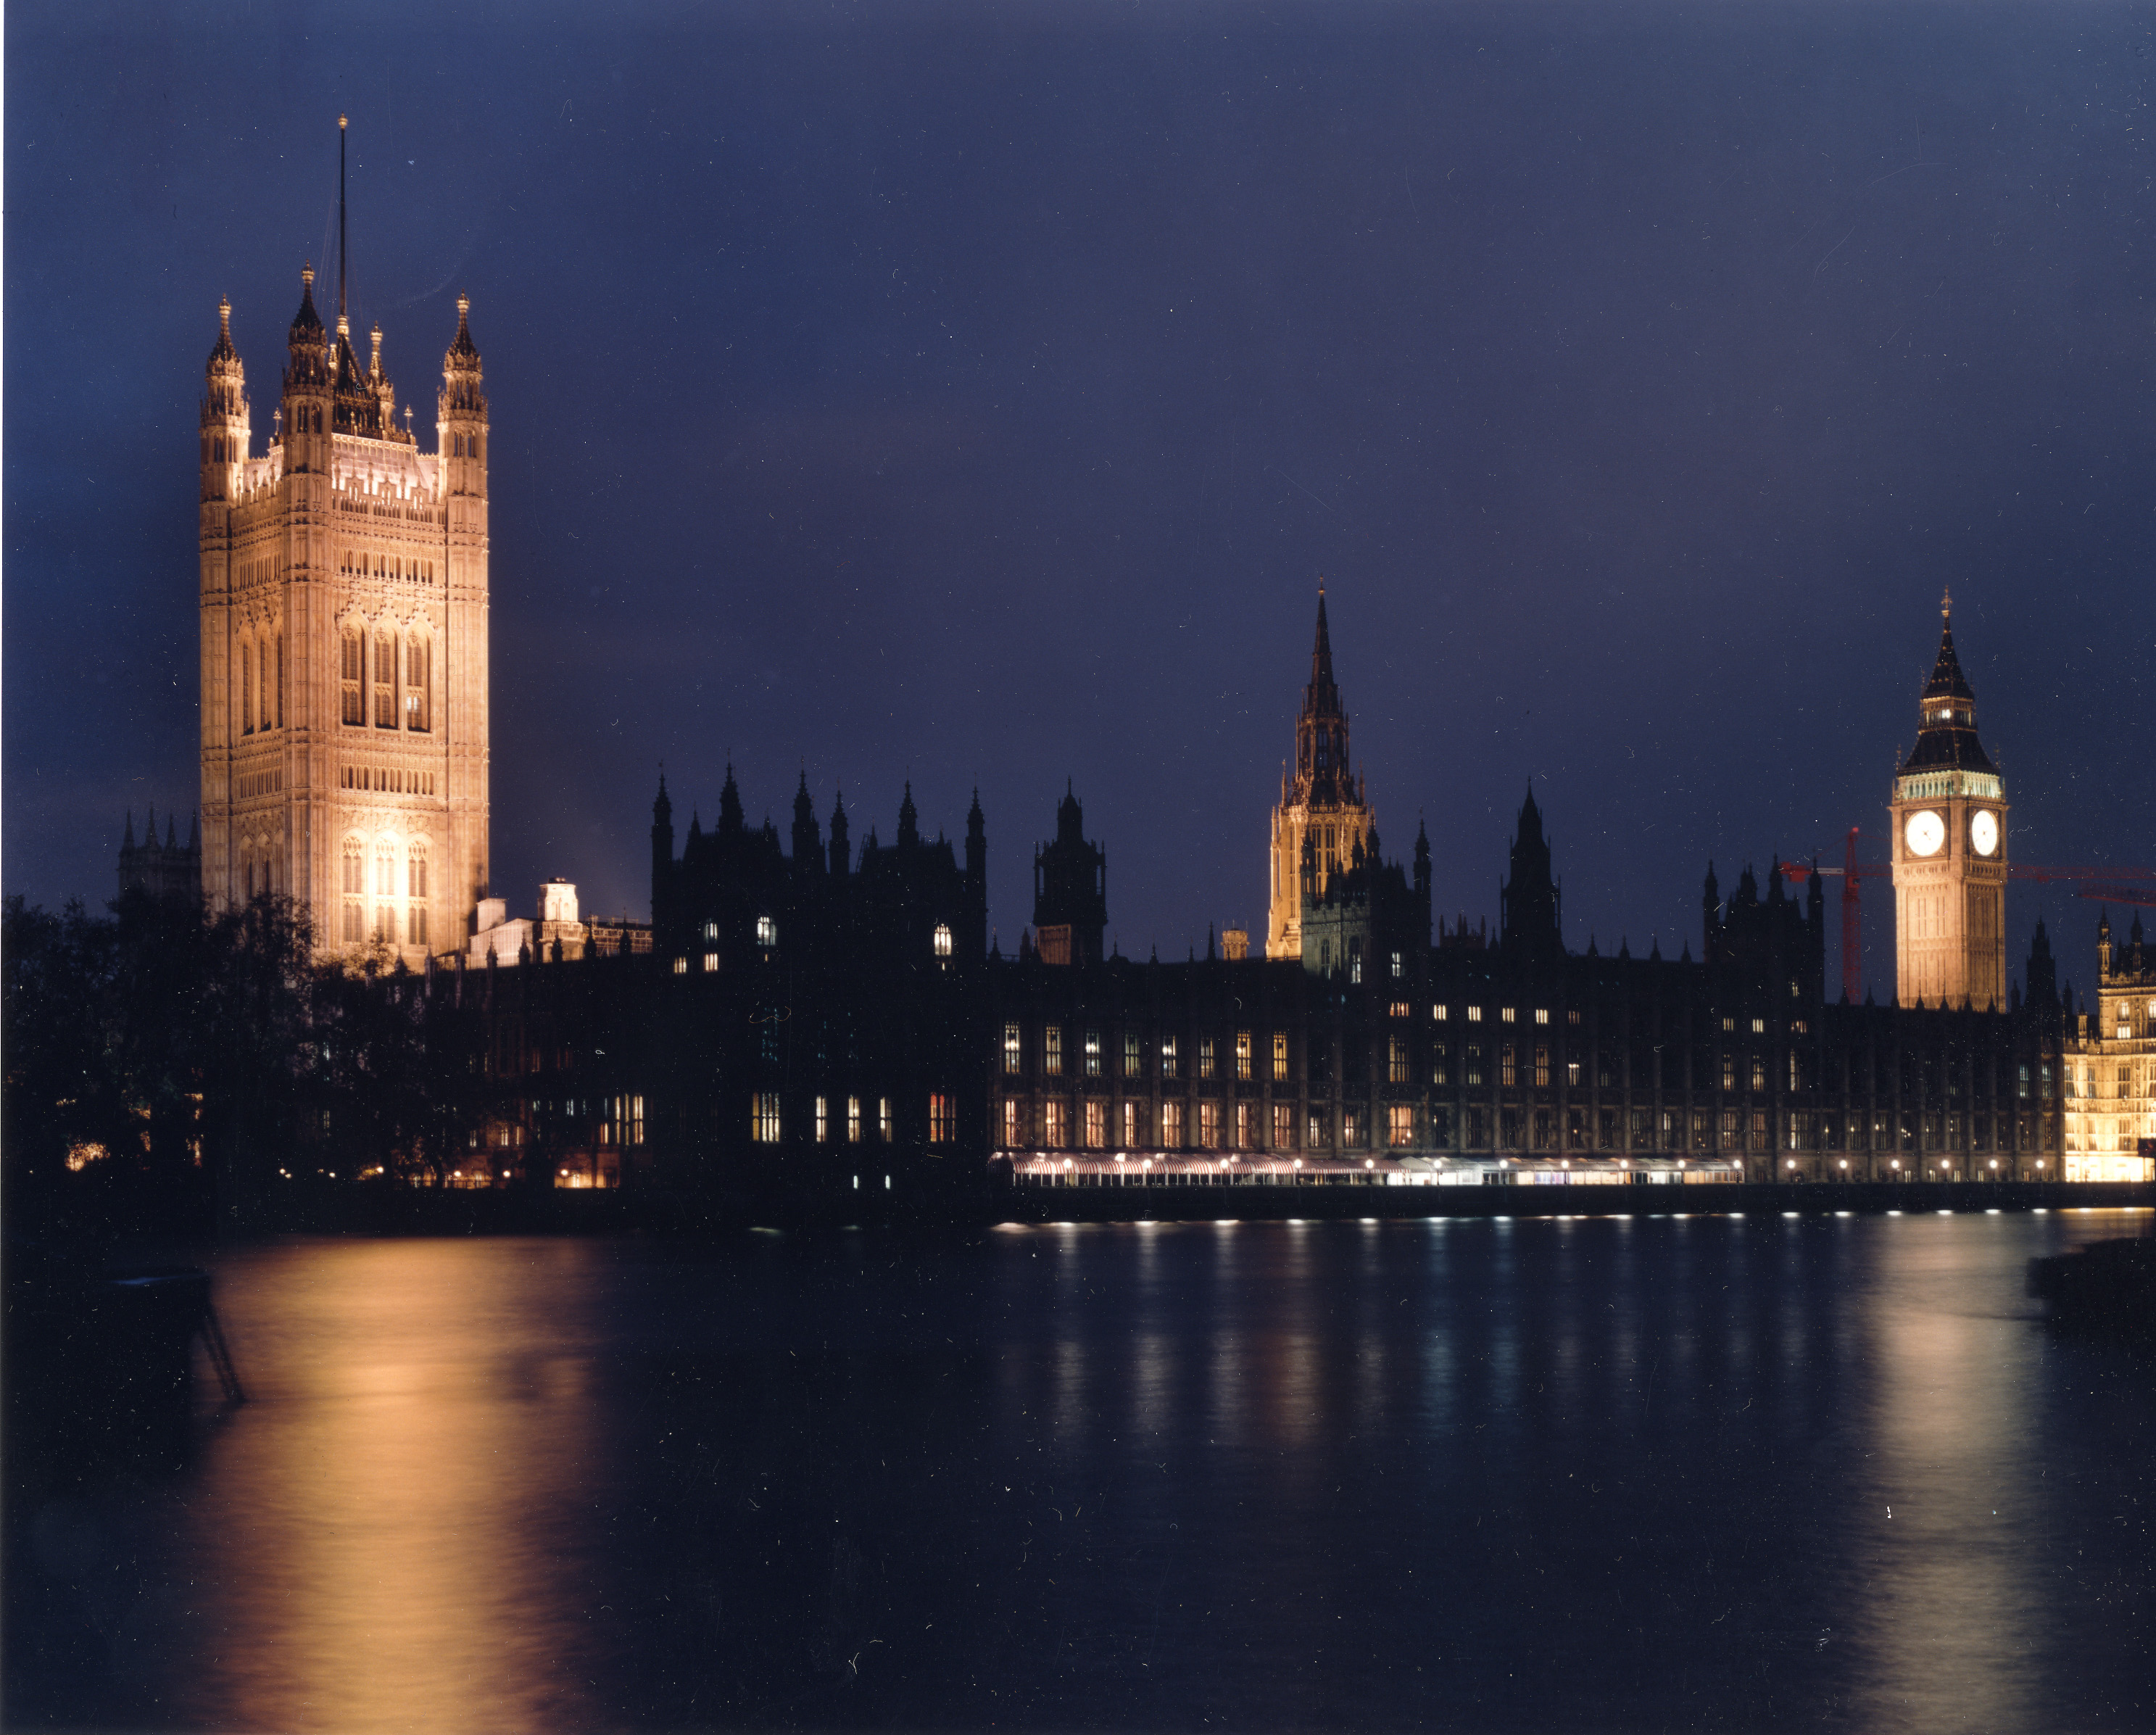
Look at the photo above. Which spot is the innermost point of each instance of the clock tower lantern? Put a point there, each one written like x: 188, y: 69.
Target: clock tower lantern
x: 1949, y: 850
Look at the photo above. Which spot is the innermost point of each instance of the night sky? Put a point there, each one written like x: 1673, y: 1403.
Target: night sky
x: 976, y: 394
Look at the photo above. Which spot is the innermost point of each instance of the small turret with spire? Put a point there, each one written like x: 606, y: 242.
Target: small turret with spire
x: 226, y: 434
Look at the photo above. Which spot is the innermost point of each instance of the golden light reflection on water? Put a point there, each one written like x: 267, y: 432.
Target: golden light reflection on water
x: 388, y: 1504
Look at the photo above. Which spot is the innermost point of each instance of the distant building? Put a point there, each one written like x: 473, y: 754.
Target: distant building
x: 2111, y: 1066
x: 343, y: 593
x: 169, y: 870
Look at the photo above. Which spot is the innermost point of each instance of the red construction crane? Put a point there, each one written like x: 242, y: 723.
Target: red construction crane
x: 2102, y: 885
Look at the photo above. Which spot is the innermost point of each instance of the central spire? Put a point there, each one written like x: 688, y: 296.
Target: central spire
x: 1321, y: 698
x: 1946, y: 714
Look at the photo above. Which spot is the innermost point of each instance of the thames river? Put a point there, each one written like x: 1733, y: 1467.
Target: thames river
x: 1657, y: 1472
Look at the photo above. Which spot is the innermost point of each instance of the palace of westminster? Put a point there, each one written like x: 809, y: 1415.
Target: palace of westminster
x: 814, y: 1014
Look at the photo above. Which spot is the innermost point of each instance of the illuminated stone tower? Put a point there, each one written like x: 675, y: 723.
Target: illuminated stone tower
x: 344, y: 644
x: 1949, y: 850
x: 1321, y: 816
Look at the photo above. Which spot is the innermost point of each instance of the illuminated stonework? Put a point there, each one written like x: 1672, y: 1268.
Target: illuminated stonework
x: 1321, y: 825
x: 2110, y: 1063
x: 1949, y: 843
x: 344, y: 645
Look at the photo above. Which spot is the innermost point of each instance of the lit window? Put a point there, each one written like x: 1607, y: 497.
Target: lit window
x: 942, y: 1121
x: 766, y: 932
x: 1541, y: 1015
x: 1051, y: 1050
x: 1280, y: 1057
x: 354, y: 710
x: 1283, y: 1126
x: 1474, y: 1014
x: 1400, y: 965
x: 1758, y: 1026
x: 1205, y: 1057
x: 1242, y: 1053
x: 1170, y: 1062
x: 1399, y: 1124
x: 680, y: 967
x: 1508, y: 1067
x: 1209, y: 1124
x: 418, y: 660
x: 1396, y: 1061
x: 1400, y: 1008
x: 1170, y: 1125
x: 385, y: 680
x: 710, y: 930
x: 853, y: 1120
x: 883, y: 1118
x: 1096, y: 1126
x: 1130, y: 1123
x: 710, y: 961
x: 763, y: 1117
x: 823, y: 1121
x: 1052, y: 1125
x: 1729, y: 1023
x: 1509, y: 1014
x: 1010, y: 1121
x: 942, y: 942
x: 1092, y: 1053
x: 1133, y: 1056
x: 1013, y: 1048
x: 1542, y: 1066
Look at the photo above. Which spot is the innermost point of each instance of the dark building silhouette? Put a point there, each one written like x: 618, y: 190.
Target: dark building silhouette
x: 1070, y: 890
x: 169, y: 870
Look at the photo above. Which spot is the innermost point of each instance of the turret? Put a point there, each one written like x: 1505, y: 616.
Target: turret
x: 808, y: 839
x: 1529, y: 899
x: 2104, y: 945
x: 977, y: 852
x: 462, y: 427
x: 1071, y: 889
x: 730, y: 806
x: 841, y: 860
x: 2042, y: 970
x: 909, y: 819
x: 662, y: 854
x: 309, y: 388
x: 225, y: 432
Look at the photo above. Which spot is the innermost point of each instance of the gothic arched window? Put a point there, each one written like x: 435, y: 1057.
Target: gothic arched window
x: 246, y: 688
x: 355, y: 887
x: 418, y: 658
x: 385, y: 679
x: 415, y: 889
x: 355, y: 676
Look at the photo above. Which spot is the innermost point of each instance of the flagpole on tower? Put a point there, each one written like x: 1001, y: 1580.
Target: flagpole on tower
x: 340, y: 310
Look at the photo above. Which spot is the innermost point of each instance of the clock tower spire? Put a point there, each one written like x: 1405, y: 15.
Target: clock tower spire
x: 1949, y: 848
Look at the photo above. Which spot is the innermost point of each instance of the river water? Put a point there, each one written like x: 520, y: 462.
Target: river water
x: 1703, y: 1472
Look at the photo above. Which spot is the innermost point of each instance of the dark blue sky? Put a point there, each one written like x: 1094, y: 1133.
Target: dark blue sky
x: 976, y: 393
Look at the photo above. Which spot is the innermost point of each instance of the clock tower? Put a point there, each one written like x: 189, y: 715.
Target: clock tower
x: 1949, y: 850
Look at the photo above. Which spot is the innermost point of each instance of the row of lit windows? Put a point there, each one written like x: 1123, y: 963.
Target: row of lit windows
x: 351, y: 563
x: 386, y: 779
x: 766, y: 937
x: 402, y: 686
x: 766, y: 1123
x: 1243, y: 1125
x: 2090, y: 1084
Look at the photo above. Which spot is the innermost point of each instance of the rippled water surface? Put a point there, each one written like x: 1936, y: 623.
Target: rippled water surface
x: 1685, y: 1472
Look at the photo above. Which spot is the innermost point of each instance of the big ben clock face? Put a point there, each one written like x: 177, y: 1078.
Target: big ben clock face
x: 1983, y: 834
x: 1925, y: 832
